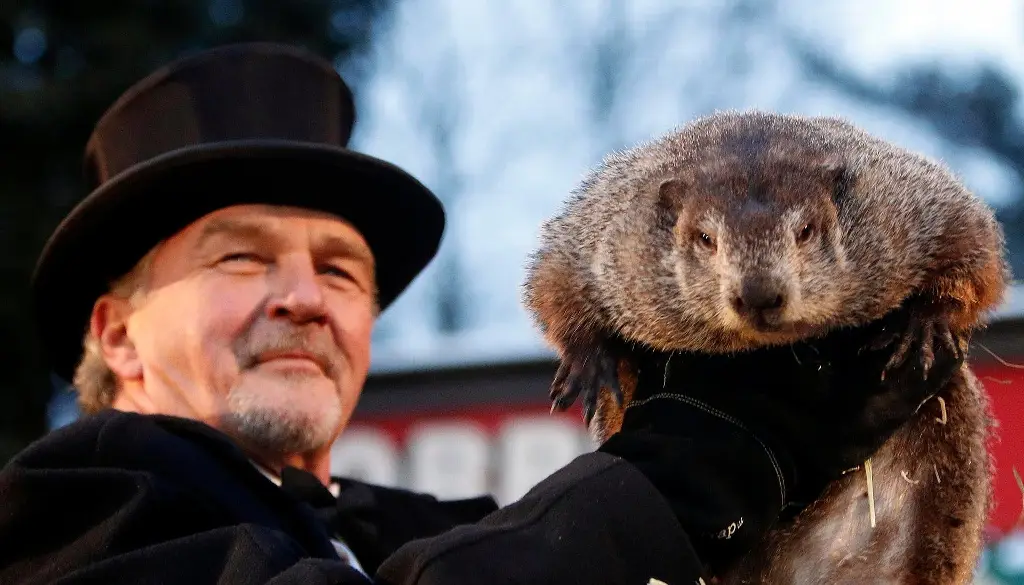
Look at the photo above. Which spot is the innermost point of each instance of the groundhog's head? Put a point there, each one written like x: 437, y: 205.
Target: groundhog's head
x: 745, y: 230
x: 763, y: 249
x: 748, y: 251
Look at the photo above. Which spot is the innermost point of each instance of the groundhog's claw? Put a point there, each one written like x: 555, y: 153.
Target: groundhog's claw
x: 916, y: 343
x: 583, y: 372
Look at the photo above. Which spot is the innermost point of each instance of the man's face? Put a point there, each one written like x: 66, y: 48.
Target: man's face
x: 258, y: 321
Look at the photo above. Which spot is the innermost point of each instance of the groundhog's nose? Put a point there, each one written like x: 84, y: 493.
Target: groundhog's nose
x: 760, y: 300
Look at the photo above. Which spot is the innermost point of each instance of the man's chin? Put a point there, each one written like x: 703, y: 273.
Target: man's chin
x: 283, y: 430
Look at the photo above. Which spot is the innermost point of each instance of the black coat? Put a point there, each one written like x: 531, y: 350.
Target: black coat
x: 125, y: 498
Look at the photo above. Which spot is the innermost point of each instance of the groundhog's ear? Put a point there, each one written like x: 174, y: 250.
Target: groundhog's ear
x: 838, y: 177
x: 671, y: 194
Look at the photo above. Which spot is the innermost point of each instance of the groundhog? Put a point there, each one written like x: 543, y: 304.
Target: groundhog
x: 747, y: 231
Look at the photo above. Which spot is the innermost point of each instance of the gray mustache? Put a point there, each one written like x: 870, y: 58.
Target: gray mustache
x: 265, y: 336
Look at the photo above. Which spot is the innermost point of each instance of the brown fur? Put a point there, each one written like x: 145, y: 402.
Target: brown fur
x: 626, y: 257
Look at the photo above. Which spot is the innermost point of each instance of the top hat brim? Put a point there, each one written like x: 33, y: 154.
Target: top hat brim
x: 106, y: 234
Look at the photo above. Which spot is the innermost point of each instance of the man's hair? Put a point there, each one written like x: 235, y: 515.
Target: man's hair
x: 94, y: 380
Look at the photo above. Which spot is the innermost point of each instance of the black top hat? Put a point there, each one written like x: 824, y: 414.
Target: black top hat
x: 248, y: 123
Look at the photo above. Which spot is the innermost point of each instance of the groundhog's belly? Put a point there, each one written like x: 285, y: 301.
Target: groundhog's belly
x: 930, y: 496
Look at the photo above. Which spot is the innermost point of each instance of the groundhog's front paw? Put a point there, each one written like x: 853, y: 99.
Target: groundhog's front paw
x: 585, y: 369
x: 920, y: 332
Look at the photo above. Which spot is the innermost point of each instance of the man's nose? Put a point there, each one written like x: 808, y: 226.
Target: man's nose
x: 296, y: 292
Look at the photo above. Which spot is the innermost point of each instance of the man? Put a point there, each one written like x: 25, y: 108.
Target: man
x: 213, y: 300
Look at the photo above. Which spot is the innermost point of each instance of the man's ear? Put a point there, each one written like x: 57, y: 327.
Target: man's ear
x: 109, y: 324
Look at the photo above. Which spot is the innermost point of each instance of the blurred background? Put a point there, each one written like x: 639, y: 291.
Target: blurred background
x: 501, y: 107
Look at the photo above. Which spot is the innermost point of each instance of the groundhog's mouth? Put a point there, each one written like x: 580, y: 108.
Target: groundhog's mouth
x: 777, y: 331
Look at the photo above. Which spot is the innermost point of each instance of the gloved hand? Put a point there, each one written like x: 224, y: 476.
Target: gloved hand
x: 731, y: 440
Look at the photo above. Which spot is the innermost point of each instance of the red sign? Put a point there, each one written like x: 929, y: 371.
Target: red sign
x: 1005, y: 387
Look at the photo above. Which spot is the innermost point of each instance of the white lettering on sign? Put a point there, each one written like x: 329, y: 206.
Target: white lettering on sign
x: 532, y: 448
x: 456, y: 458
x: 366, y: 454
x: 448, y: 460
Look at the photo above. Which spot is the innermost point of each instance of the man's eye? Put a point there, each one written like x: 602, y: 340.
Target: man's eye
x: 241, y: 257
x: 332, y: 270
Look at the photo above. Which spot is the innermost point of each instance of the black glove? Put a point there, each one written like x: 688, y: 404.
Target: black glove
x: 722, y: 484
x: 732, y: 440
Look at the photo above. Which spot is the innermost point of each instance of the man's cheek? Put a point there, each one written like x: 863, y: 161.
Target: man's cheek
x: 357, y: 340
x: 220, y: 342
x: 227, y: 314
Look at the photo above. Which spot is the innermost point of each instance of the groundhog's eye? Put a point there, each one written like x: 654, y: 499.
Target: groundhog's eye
x: 805, y: 233
x: 706, y: 241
